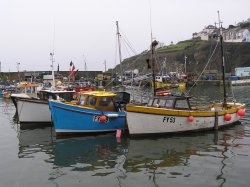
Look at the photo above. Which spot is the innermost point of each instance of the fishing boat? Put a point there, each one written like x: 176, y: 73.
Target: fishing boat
x: 24, y: 90
x: 95, y: 111
x: 174, y: 113
x: 36, y: 109
x: 32, y: 106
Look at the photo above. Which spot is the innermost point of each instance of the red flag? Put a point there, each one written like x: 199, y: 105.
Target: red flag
x: 73, y: 67
x: 71, y: 75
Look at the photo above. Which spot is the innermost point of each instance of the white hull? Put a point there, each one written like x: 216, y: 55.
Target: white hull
x: 241, y: 82
x: 145, y: 123
x: 29, y: 110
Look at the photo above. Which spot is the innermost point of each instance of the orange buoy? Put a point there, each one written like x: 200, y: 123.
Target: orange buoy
x: 190, y: 119
x: 241, y: 112
x: 103, y: 118
x: 227, y: 117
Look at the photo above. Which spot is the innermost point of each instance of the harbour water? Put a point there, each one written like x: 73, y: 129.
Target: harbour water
x: 34, y: 157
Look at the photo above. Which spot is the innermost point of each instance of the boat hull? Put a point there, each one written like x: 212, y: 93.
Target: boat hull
x: 144, y: 121
x: 33, y: 111
x: 73, y: 119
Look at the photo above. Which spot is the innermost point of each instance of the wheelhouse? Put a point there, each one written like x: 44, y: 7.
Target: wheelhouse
x: 98, y: 100
x: 170, y: 102
x: 63, y: 95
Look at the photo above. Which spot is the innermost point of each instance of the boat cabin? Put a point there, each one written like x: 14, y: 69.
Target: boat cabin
x: 28, y: 88
x: 57, y: 94
x: 101, y: 100
x: 170, y: 102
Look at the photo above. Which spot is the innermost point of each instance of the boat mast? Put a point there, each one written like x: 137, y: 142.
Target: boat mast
x: 153, y: 45
x: 52, y: 67
x: 84, y: 61
x: 119, y: 46
x: 52, y: 58
x: 222, y: 63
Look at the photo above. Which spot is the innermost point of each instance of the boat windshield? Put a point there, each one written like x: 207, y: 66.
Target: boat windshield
x: 106, y: 101
x: 170, y: 103
x: 91, y: 101
x: 181, y: 104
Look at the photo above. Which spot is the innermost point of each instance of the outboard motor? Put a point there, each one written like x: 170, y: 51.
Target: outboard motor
x: 121, y: 99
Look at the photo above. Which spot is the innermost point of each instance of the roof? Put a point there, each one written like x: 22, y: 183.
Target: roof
x: 27, y: 84
x: 172, y: 96
x: 98, y: 93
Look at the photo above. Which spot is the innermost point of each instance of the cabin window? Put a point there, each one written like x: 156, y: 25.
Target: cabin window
x: 169, y: 103
x: 161, y: 103
x: 182, y: 104
x: 106, y: 101
x: 82, y: 99
x: 91, y: 101
x: 150, y: 102
x: 155, y: 103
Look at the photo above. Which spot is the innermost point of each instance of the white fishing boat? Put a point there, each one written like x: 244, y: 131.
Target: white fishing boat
x: 36, y: 110
x: 25, y: 90
x: 172, y: 114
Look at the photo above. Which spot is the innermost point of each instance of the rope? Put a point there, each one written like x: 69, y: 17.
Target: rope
x: 234, y: 99
x: 204, y: 67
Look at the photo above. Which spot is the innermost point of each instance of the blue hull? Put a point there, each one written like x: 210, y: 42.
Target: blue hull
x: 70, y: 119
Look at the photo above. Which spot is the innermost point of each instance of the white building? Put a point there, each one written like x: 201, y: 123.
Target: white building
x: 236, y: 35
x: 242, y: 72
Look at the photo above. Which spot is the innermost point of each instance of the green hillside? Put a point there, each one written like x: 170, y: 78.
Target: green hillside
x: 198, y: 52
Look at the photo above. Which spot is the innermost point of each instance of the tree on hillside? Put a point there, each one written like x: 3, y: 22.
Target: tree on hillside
x: 244, y: 24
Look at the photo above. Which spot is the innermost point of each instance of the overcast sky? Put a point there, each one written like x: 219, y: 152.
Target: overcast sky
x: 79, y: 30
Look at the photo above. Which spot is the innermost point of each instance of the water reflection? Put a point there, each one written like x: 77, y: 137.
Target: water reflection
x: 154, y: 160
x: 164, y: 156
x: 88, y: 153
x: 35, y: 140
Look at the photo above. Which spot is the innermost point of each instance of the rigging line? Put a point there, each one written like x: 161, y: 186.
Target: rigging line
x: 232, y: 91
x: 127, y: 44
x: 127, y: 41
x: 204, y: 67
x: 139, y: 56
x: 126, y: 47
x: 150, y: 15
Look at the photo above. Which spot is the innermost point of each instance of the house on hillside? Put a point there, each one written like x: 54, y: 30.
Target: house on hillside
x: 207, y: 33
x: 232, y: 34
x: 236, y: 35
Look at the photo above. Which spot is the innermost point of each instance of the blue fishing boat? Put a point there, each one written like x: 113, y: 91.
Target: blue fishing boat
x: 94, y: 111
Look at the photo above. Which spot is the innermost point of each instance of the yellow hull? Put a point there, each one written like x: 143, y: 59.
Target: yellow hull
x: 232, y: 108
x: 161, y: 84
